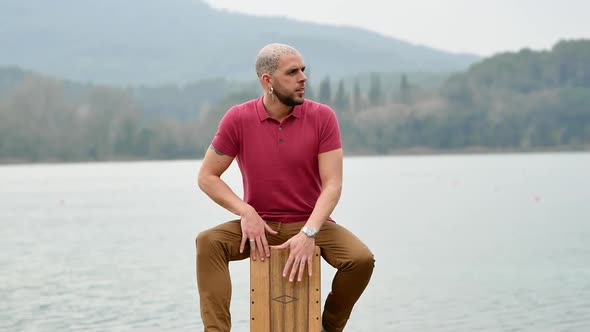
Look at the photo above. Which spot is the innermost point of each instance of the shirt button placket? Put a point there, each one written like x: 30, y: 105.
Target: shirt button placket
x: 280, y: 134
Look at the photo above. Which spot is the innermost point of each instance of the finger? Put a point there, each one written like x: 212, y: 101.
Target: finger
x: 260, y: 248
x: 294, y: 270
x: 269, y: 229
x: 301, y: 268
x: 243, y: 243
x: 309, y: 265
x: 282, y: 246
x: 288, y: 265
x: 252, y: 243
x: 265, y: 246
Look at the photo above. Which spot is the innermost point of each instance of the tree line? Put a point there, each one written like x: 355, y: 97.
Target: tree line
x: 520, y: 101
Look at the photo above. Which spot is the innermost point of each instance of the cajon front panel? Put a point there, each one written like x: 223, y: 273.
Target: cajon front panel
x: 278, y: 305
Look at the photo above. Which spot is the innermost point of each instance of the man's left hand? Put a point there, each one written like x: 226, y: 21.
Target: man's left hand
x: 301, y: 253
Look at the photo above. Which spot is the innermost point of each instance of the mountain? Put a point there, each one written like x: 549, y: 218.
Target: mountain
x: 179, y: 41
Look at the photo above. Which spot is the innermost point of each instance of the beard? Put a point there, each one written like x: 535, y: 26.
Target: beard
x: 288, y: 100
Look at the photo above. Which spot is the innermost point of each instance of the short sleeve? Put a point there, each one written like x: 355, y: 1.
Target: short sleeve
x: 329, y: 130
x: 226, y: 140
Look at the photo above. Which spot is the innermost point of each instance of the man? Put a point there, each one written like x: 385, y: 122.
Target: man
x: 290, y: 155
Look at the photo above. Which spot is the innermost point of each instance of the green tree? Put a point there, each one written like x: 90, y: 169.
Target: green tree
x: 357, y: 96
x: 375, y: 91
x: 342, y: 98
x: 404, y: 90
x: 309, y: 90
x: 325, y: 93
x: 108, y: 114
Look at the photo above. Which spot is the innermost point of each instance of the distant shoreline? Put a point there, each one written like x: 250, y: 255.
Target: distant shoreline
x: 400, y: 153
x: 475, y: 151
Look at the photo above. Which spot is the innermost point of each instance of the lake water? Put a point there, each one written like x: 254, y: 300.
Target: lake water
x: 462, y: 243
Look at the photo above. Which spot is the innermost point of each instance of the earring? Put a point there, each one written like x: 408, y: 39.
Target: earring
x: 270, y: 90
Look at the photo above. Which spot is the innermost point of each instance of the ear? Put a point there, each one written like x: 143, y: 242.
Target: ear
x: 266, y: 80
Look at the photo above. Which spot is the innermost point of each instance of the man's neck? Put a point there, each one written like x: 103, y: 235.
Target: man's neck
x: 275, y: 108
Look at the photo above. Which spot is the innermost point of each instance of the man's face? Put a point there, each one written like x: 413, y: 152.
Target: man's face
x: 289, y: 80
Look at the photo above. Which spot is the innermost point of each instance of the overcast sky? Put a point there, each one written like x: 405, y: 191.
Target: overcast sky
x: 474, y: 26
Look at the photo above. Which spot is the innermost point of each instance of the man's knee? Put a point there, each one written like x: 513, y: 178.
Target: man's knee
x: 204, y: 240
x: 364, y: 260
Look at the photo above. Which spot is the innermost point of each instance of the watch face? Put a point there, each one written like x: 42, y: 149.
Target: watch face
x: 309, y: 231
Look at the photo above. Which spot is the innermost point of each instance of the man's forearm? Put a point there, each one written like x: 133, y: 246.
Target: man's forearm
x: 324, y: 206
x: 221, y: 193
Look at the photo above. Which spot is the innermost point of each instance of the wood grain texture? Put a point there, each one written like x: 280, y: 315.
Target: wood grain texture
x: 259, y: 295
x: 278, y: 305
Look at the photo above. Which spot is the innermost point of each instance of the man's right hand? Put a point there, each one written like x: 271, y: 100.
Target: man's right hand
x: 254, y: 231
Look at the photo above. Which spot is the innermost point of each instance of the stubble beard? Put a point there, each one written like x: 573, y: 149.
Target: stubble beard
x: 288, y: 100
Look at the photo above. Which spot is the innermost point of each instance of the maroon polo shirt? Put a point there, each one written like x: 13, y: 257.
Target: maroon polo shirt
x: 279, y: 161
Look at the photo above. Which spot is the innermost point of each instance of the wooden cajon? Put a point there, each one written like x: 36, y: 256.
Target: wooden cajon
x: 278, y: 305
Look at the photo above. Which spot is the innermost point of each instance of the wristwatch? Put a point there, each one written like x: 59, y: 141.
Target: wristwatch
x: 310, y: 232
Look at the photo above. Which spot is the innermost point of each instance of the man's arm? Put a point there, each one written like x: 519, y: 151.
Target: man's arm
x: 302, y: 247
x: 253, y: 227
x: 330, y: 166
x: 209, y: 180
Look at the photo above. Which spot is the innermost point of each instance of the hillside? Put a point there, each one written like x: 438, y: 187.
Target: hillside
x: 521, y: 101
x: 524, y: 101
x: 179, y: 41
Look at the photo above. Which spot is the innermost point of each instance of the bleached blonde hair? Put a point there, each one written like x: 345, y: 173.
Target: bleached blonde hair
x: 267, y: 60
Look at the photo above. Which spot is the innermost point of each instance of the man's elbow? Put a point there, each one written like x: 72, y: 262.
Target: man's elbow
x: 339, y: 190
x: 336, y: 188
x: 202, y: 181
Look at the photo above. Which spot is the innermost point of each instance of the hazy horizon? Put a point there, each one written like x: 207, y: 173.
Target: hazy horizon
x: 458, y: 26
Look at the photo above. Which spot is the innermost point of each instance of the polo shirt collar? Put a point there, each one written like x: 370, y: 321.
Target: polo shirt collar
x: 263, y: 115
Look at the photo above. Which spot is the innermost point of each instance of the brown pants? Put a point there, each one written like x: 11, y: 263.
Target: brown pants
x: 217, y: 246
